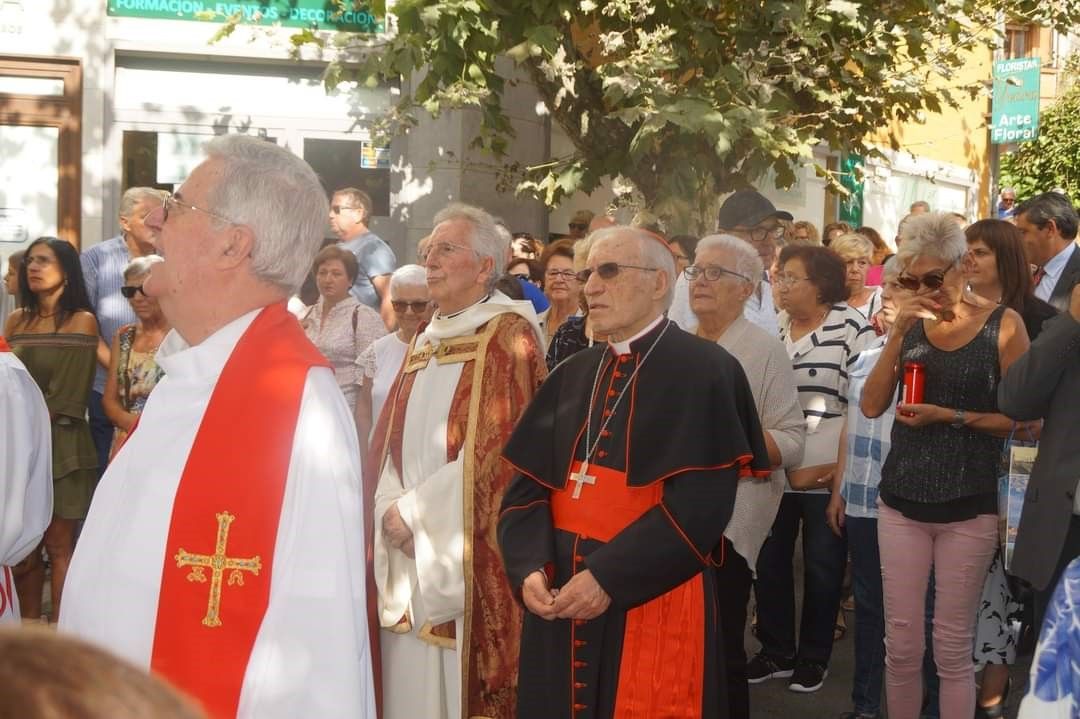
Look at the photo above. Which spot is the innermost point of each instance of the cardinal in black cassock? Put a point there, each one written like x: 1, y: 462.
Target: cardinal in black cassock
x: 628, y: 459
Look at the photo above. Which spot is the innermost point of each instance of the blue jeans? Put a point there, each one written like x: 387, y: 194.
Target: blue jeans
x: 869, y: 614
x: 101, y: 430
x: 824, y: 556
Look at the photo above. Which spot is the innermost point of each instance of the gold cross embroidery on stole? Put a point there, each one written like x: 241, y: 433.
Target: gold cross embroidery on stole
x: 218, y: 563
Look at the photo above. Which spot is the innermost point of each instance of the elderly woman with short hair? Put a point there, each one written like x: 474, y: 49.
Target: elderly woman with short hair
x: 725, y: 272
x: 338, y: 324
x: 857, y: 252
x: 561, y: 285
x: 823, y: 337
x: 937, y: 502
x: 379, y: 363
x: 133, y: 372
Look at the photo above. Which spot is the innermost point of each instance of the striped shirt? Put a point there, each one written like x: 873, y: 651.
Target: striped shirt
x: 868, y: 440
x: 103, y: 271
x: 822, y: 359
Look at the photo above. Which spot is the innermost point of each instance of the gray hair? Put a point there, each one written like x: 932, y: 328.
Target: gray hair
x: 747, y: 261
x: 278, y: 196
x: 140, y: 266
x: 1010, y: 190
x: 1041, y: 209
x: 934, y: 234
x: 135, y: 195
x: 891, y: 269
x: 407, y: 276
x: 486, y: 239
x: 654, y: 252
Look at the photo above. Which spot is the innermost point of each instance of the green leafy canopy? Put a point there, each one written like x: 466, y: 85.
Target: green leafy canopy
x: 682, y: 98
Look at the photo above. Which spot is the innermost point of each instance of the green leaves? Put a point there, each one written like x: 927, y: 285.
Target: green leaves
x: 686, y: 99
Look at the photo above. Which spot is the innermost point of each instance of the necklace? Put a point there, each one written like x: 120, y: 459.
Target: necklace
x: 582, y: 476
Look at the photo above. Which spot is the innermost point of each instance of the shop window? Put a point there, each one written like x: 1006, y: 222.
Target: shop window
x: 352, y: 163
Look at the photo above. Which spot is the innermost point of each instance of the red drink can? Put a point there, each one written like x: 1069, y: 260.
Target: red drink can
x: 914, y: 382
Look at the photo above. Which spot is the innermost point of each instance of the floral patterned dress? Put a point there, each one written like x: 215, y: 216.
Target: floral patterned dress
x: 136, y: 374
x: 348, y: 329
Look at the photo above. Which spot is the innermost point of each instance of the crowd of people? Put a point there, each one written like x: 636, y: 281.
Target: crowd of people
x: 536, y: 479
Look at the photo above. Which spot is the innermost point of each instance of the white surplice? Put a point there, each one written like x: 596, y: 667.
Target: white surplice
x: 311, y: 657
x: 26, y: 491
x: 419, y: 678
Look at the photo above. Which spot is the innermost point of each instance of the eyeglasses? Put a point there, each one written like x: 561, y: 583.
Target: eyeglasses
x: 579, y: 225
x: 338, y: 209
x: 711, y: 273
x: 931, y: 280
x: 1008, y: 200
x: 444, y: 249
x: 129, y: 291
x: 763, y: 234
x: 167, y: 201
x: 416, y: 307
x: 560, y: 275
x: 609, y: 270
x: 786, y: 281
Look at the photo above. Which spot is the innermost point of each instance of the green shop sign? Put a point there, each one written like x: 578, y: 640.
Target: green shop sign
x: 312, y: 14
x: 1014, y: 113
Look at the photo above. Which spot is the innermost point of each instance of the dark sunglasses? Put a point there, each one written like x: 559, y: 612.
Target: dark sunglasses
x: 931, y: 281
x: 129, y: 291
x: 608, y: 270
x: 416, y: 307
x: 579, y: 225
x: 338, y: 209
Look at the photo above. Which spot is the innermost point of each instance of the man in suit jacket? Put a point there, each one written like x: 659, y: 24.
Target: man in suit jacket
x: 1044, y: 383
x: 1048, y: 224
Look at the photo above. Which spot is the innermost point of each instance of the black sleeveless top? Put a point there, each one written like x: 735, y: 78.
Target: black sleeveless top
x: 937, y: 473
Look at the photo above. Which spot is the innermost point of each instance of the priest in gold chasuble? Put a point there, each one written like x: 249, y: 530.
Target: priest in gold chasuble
x: 449, y: 621
x: 628, y: 461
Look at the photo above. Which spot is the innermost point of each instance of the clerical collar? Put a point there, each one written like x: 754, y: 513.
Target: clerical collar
x: 623, y: 347
x: 481, y: 301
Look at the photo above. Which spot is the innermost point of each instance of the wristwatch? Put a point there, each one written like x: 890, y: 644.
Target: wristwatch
x: 958, y: 419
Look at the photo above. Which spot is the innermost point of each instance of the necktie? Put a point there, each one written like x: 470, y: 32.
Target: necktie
x: 1040, y: 272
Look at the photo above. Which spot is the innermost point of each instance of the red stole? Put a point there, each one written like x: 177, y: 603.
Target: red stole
x: 215, y: 585
x: 4, y: 345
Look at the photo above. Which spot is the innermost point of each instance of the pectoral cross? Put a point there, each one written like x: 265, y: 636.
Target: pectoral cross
x: 219, y: 563
x: 582, y: 477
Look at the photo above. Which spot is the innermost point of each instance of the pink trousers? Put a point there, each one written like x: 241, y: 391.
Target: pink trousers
x: 960, y: 553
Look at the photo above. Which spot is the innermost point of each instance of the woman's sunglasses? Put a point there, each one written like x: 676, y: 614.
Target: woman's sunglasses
x: 416, y: 307
x: 931, y: 281
x: 129, y: 291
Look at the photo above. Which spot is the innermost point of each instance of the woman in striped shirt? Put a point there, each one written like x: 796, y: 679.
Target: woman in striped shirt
x: 823, y: 337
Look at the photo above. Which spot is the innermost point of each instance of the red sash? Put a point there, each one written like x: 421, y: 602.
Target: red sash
x: 4, y: 345
x: 219, y: 556
x: 662, y: 667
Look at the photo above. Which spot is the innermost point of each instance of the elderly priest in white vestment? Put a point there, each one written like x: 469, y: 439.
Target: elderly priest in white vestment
x: 26, y: 500
x: 224, y: 547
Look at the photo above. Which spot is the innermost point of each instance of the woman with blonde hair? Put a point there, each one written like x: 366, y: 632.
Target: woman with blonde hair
x: 857, y: 252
